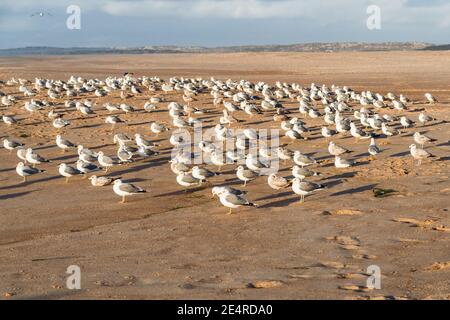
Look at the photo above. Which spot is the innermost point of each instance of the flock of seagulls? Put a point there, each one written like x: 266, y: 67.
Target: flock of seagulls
x: 340, y: 110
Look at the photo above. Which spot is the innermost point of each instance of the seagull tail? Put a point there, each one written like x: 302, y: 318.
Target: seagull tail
x: 251, y: 204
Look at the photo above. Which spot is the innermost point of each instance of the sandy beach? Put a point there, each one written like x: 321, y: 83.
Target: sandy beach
x: 168, y: 244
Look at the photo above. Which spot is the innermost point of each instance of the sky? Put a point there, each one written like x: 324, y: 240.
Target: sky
x: 211, y: 23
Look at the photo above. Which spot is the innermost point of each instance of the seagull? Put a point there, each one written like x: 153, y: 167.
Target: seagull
x: 202, y: 174
x: 327, y: 133
x: 217, y: 159
x: 233, y: 201
x: 294, y: 135
x: 10, y: 144
x: 284, y: 153
x: 105, y: 161
x: 422, y: 139
x: 22, y: 154
x: 253, y: 163
x: 406, y: 123
x: 278, y: 183
x: 217, y: 190
x: 157, y: 128
x: 389, y: 132
x: 186, y: 179
x: 358, y: 133
x: 60, y: 123
x: 245, y: 174
x: 303, y: 160
x: 85, y: 167
x: 373, y: 148
x: 342, y: 163
x: 178, y: 167
x: 113, y: 120
x: 423, y: 118
x: 419, y: 154
x: 126, y: 189
x: 86, y: 155
x: 124, y: 155
x: 336, y: 150
x: 141, y: 142
x: 25, y: 171
x: 9, y: 120
x: 302, y: 173
x: 304, y: 188
x: 40, y: 14
x: 430, y: 98
x: 101, y: 181
x: 68, y: 171
x: 121, y: 138
x: 64, y: 144
x: 34, y: 158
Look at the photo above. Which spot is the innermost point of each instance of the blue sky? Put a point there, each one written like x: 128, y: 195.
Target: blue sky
x: 126, y: 23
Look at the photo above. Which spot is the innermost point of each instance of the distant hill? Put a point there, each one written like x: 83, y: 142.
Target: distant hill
x: 304, y: 47
x: 442, y: 47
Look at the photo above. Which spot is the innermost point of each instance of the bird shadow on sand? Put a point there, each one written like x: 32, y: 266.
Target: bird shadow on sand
x: 44, y: 147
x: 444, y: 144
x: 343, y: 175
x: 275, y: 196
x: 143, y: 166
x: 52, y: 295
x: 15, y: 195
x: 182, y: 192
x: 88, y: 126
x: 67, y: 157
x: 400, y: 154
x: 28, y: 183
x: 354, y: 190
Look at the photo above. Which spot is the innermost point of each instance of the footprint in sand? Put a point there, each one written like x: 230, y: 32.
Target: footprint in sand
x: 265, y: 284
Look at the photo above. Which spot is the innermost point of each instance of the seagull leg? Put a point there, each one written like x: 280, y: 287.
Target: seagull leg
x: 123, y: 199
x: 229, y: 212
x: 67, y: 179
x: 24, y: 179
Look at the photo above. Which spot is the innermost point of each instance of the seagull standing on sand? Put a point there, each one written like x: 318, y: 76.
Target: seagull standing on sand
x: 34, y: 158
x: 336, y: 150
x: 105, y: 161
x: 245, y: 175
x: 304, y: 188
x: 10, y: 144
x: 419, y: 154
x: 422, y: 139
x: 373, y: 148
x: 277, y: 183
x: 64, y: 144
x: 101, y: 181
x: 302, y: 173
x: 231, y: 200
x: 68, y: 171
x: 430, y: 98
x: 342, y: 163
x: 25, y: 171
